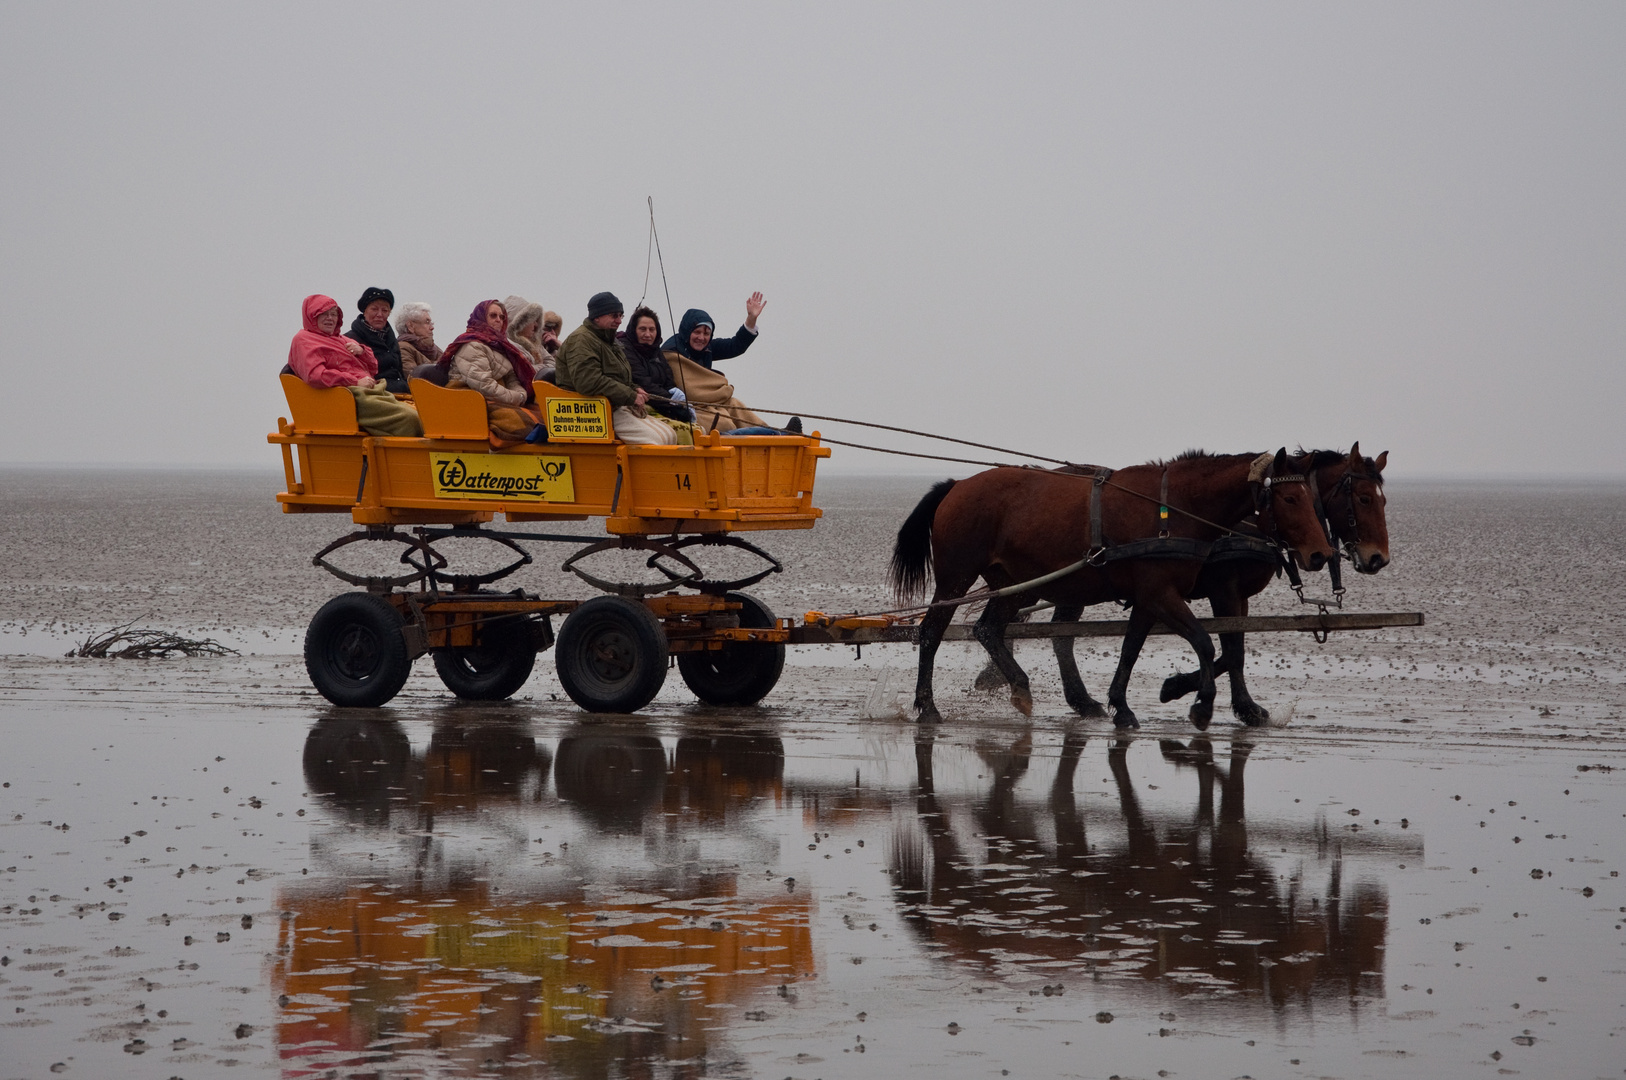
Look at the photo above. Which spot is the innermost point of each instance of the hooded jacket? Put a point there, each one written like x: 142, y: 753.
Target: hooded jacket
x: 718, y: 349
x: 519, y: 310
x: 591, y: 363
x: 321, y: 359
x: 386, y: 350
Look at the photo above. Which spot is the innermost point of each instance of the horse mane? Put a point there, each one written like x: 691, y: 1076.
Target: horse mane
x: 1320, y: 458
x: 1194, y: 454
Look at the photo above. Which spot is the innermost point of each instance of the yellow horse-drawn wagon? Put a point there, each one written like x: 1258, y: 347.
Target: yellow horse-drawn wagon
x: 612, y: 650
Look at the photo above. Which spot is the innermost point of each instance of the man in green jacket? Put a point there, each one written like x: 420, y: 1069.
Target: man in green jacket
x: 591, y: 363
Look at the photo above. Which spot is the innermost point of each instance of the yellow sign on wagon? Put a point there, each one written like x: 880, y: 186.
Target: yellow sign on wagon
x: 578, y: 419
x: 506, y: 477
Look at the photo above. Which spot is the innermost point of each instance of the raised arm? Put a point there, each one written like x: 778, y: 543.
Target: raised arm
x: 728, y: 348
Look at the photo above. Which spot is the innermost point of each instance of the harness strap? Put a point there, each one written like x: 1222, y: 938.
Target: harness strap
x: 1096, y: 535
x: 1163, y: 505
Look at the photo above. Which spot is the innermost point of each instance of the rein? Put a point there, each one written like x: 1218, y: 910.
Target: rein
x: 1083, y: 471
x: 1163, y: 546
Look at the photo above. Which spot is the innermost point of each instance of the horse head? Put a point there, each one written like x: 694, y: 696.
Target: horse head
x: 1355, y: 507
x: 1286, y: 510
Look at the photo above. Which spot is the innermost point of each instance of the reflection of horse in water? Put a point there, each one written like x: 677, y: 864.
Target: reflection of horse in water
x: 460, y: 936
x: 1185, y: 902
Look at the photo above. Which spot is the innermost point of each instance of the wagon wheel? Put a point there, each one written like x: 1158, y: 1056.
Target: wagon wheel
x: 495, y: 668
x: 611, y: 655
x: 354, y: 650
x: 741, y: 673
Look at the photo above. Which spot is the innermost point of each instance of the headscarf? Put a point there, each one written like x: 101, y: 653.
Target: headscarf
x: 524, y: 370
x: 311, y: 348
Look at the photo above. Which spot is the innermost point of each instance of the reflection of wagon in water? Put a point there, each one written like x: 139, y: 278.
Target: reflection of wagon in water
x: 612, y: 650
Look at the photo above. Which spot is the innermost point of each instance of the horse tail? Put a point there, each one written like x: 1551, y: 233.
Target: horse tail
x: 914, y: 547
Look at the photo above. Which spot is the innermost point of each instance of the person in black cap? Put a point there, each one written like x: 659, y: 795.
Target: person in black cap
x: 372, y: 328
x: 591, y: 363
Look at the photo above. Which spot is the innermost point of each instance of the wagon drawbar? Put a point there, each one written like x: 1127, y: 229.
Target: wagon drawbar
x: 612, y: 651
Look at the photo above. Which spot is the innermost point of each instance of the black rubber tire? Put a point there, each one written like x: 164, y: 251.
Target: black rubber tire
x: 740, y: 674
x: 494, y: 669
x: 354, y: 651
x: 611, y: 655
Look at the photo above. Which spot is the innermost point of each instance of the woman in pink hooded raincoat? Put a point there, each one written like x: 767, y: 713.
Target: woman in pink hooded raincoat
x: 321, y: 357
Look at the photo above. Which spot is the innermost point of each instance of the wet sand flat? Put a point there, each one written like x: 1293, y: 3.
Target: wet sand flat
x: 204, y: 870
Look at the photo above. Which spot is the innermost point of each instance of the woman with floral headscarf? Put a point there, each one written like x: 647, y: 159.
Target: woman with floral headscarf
x: 483, y: 358
x: 321, y: 357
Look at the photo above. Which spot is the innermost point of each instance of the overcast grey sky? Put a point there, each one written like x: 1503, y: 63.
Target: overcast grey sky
x: 1100, y: 232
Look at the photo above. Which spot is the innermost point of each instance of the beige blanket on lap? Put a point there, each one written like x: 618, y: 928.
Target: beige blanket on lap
x: 711, y: 396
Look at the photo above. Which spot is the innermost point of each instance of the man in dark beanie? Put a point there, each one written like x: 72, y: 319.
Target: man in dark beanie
x: 372, y: 328
x: 591, y: 363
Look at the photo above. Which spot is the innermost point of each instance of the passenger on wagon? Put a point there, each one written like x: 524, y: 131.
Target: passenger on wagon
x: 372, y: 329
x: 694, y: 337
x: 320, y: 357
x: 525, y: 331
x: 553, y: 326
x: 690, y: 353
x: 482, y: 358
x: 590, y: 363
x: 650, y: 371
x: 415, y: 333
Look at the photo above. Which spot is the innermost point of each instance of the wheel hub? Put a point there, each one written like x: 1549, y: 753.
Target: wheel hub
x: 611, y: 656
x: 356, y: 653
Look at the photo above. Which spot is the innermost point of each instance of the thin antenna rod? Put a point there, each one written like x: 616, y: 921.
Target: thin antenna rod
x: 649, y: 252
x: 656, y: 236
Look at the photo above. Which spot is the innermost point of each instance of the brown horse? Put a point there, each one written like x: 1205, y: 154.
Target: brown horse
x: 1010, y: 526
x: 1352, y: 507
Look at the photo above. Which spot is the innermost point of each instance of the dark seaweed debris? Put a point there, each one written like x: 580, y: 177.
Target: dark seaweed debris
x: 125, y: 643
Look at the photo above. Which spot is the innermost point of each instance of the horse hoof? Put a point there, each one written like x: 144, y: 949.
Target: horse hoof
x: 1173, y: 687
x: 1023, y: 700
x: 1201, y: 716
x: 929, y: 715
x: 1252, y: 714
x: 1124, y: 720
x: 1090, y: 709
x: 989, y: 678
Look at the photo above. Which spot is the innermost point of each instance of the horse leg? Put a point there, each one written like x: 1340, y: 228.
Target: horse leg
x: 931, y: 636
x: 1140, y: 624
x: 1189, y: 682
x: 990, y: 630
x: 1232, y: 661
x: 1072, y: 684
x: 989, y: 678
x: 1178, y: 615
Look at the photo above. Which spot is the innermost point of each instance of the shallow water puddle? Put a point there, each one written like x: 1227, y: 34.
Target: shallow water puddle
x: 447, y: 891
